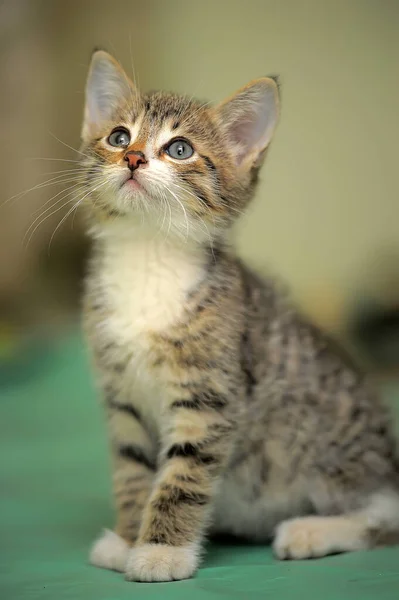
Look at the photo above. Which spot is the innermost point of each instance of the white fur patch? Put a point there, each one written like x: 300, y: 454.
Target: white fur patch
x: 311, y: 537
x: 146, y: 280
x: 110, y: 551
x: 158, y: 562
x: 144, y: 284
x: 383, y: 511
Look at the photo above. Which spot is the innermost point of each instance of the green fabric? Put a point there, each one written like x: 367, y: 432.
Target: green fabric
x: 56, y: 498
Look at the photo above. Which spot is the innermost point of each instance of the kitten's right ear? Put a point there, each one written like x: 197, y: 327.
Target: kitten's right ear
x: 107, y: 88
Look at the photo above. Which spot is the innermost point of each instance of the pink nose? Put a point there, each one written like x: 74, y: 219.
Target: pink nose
x: 134, y: 159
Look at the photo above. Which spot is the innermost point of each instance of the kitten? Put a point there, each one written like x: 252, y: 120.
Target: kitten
x: 227, y: 412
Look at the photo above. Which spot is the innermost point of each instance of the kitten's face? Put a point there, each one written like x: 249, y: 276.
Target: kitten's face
x: 169, y: 162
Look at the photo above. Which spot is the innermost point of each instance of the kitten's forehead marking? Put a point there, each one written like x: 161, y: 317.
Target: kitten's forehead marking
x: 135, y: 128
x: 158, y: 137
x: 164, y: 135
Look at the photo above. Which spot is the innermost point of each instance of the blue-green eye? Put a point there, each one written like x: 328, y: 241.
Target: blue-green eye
x: 180, y: 149
x: 119, y: 138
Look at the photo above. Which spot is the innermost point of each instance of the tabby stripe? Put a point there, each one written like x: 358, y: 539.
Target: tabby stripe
x: 246, y: 350
x: 201, y: 401
x: 126, y: 408
x: 135, y: 453
x: 245, y: 364
x: 198, y: 192
x: 186, y: 478
x: 127, y: 504
x: 209, y: 163
x: 189, y: 404
x: 119, y: 367
x: 194, y: 171
x: 158, y: 538
x: 133, y: 527
x: 134, y: 478
x: 176, y: 495
x: 129, y: 490
x: 213, y: 399
x: 188, y: 450
x: 201, y: 195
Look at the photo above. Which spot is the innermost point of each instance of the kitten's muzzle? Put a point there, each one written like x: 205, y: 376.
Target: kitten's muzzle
x: 134, y: 159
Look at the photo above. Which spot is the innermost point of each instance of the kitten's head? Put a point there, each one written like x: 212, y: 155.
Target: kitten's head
x: 168, y: 161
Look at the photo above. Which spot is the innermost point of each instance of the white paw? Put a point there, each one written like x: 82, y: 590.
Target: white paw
x: 110, y: 551
x: 158, y: 562
x: 310, y: 537
x: 302, y: 538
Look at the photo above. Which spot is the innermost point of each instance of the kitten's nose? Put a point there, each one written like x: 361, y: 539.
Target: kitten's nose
x: 134, y: 159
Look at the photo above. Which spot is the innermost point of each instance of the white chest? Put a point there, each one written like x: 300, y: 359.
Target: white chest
x: 144, y: 285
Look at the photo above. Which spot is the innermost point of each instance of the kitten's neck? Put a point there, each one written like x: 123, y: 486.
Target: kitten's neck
x: 132, y: 233
x: 148, y: 277
x: 139, y: 251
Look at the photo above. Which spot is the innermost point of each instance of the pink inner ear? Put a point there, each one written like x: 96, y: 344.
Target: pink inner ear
x: 244, y: 133
x: 107, y: 87
x: 251, y: 116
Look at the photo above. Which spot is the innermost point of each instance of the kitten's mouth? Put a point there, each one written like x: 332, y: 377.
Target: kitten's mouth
x: 132, y: 183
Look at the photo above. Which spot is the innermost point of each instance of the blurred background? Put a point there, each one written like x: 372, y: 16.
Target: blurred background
x: 327, y: 213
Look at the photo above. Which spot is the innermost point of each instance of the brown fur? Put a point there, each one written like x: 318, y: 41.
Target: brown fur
x: 252, y: 416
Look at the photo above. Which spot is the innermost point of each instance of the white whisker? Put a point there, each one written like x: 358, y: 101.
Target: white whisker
x: 56, y: 195
x: 59, y: 180
x: 79, y: 151
x: 183, y: 208
x: 42, y: 221
x: 66, y: 194
x: 69, y: 160
x: 74, y: 207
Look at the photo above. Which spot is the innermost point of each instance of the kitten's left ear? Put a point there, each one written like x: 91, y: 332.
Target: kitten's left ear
x: 249, y: 119
x: 107, y: 88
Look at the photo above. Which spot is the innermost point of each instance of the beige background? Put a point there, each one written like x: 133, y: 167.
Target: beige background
x: 327, y: 214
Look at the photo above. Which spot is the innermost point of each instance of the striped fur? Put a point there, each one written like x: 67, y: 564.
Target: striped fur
x: 227, y: 412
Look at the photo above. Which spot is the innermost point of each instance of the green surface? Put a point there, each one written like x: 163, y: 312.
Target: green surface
x: 55, y: 499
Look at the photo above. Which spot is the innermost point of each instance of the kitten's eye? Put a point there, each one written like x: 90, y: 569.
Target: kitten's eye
x: 179, y: 149
x: 119, y: 138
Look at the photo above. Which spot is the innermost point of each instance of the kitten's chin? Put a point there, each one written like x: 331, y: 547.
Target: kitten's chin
x: 133, y: 185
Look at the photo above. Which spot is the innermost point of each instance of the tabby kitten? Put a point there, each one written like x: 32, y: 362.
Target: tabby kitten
x: 227, y: 412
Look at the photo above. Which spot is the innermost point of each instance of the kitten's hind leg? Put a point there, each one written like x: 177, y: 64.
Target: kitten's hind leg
x: 311, y: 537
x: 315, y: 536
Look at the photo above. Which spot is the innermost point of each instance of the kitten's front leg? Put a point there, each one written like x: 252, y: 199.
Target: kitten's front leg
x: 196, y: 445
x: 133, y: 476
